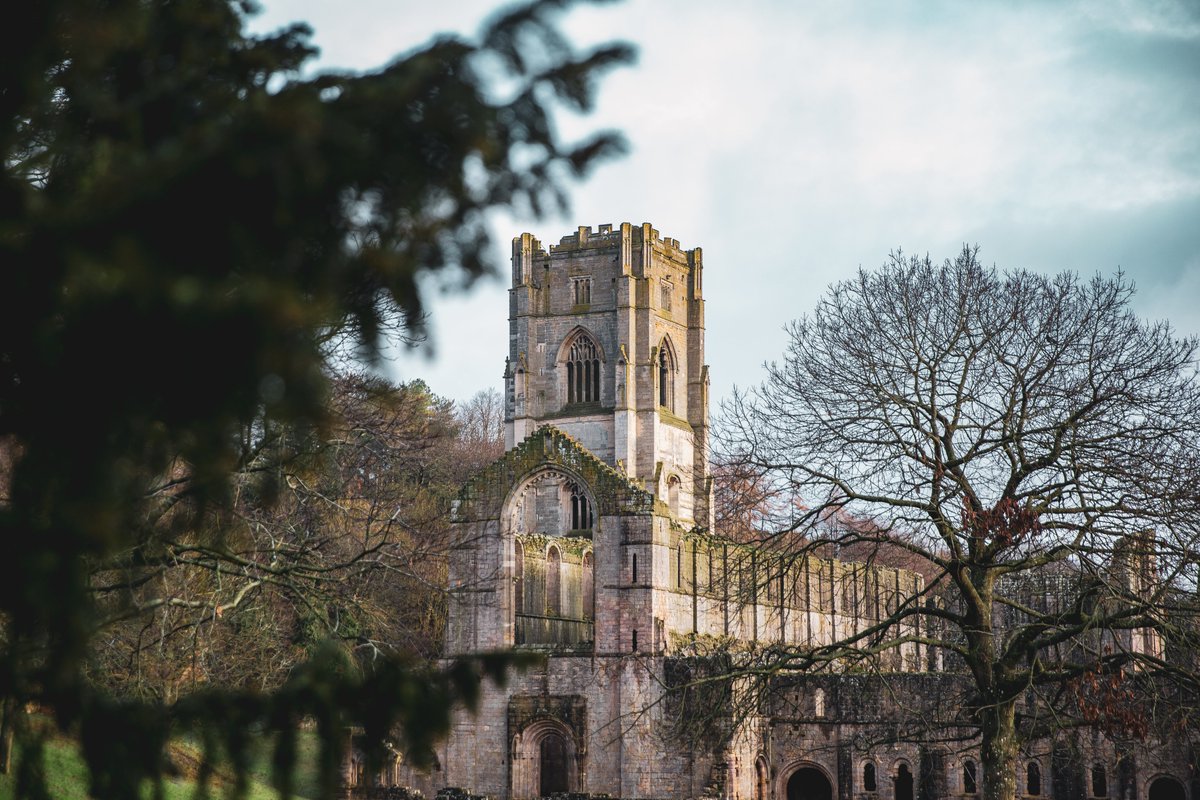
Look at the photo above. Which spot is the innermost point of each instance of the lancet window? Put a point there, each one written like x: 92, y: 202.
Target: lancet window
x: 666, y: 377
x: 583, y: 371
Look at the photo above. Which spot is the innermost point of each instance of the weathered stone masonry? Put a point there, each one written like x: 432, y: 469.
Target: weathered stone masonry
x: 591, y: 540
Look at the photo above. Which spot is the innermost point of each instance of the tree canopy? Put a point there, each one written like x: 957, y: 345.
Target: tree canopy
x: 190, y: 227
x: 1032, y: 445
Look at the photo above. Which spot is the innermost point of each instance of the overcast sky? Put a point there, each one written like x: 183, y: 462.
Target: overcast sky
x: 795, y: 142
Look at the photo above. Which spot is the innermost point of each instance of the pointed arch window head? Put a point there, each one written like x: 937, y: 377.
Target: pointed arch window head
x: 583, y: 371
x: 582, y: 516
x: 666, y: 377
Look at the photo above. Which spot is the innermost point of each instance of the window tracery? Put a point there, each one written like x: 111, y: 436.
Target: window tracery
x: 582, y: 518
x: 583, y: 371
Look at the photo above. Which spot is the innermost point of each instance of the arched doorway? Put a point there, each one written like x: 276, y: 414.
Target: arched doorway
x: 544, y: 760
x: 1166, y: 788
x: 809, y: 783
x: 552, y: 765
x: 904, y: 783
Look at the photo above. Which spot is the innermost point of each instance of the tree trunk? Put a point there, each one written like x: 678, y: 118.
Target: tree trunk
x: 999, y: 751
x: 7, y: 710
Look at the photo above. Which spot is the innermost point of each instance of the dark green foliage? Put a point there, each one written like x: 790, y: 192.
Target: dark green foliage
x: 188, y: 231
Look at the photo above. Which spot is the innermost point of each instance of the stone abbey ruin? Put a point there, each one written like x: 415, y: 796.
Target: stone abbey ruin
x: 592, y: 541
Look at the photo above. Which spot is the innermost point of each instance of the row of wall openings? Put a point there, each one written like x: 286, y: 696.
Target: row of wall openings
x: 553, y: 605
x: 971, y: 779
x: 583, y: 371
x: 903, y: 779
x: 1033, y: 780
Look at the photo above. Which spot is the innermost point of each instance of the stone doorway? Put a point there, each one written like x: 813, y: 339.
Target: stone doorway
x: 552, y: 765
x: 1166, y: 789
x: 809, y: 783
x: 545, y: 760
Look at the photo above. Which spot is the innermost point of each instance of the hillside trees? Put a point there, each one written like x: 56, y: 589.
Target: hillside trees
x: 187, y: 226
x: 353, y: 547
x: 1034, y: 444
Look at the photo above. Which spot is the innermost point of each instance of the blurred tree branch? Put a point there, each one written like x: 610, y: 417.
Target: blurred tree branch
x: 188, y: 227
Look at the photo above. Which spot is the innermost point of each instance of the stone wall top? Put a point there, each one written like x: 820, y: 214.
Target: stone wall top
x: 605, y: 236
x: 549, y: 448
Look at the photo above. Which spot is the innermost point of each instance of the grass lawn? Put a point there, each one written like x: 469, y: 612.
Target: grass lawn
x: 66, y: 776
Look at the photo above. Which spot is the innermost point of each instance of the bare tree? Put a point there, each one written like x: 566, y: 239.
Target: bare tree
x: 1017, y: 433
x: 482, y: 426
x: 335, y: 534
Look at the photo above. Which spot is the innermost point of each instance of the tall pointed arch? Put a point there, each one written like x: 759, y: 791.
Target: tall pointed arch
x: 668, y: 365
x: 581, y: 357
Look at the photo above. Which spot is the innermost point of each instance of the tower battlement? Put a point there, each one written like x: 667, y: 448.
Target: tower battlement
x: 605, y: 235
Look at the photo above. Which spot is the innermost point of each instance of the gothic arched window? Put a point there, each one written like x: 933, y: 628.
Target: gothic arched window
x: 582, y: 518
x: 970, y: 779
x: 583, y: 371
x: 666, y: 377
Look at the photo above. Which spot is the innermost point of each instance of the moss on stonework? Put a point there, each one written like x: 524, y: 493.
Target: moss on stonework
x: 568, y: 546
x: 670, y: 418
x: 615, y: 494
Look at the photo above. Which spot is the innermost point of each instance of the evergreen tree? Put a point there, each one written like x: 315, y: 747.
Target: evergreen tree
x: 188, y: 228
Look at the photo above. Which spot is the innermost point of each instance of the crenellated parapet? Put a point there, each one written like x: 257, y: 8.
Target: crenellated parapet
x: 607, y: 235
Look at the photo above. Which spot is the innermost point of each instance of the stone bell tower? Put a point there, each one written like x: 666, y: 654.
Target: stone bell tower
x: 606, y: 342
